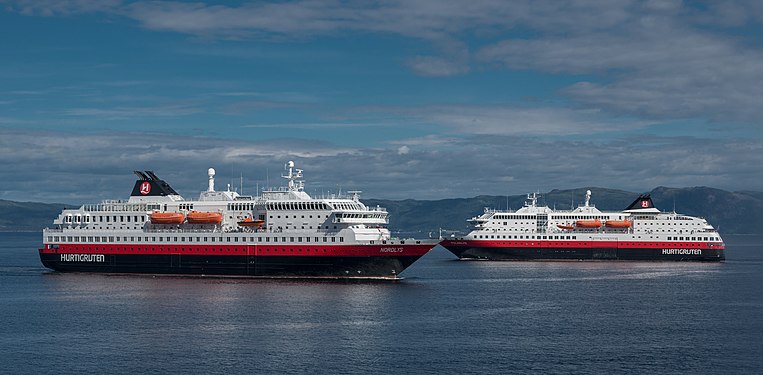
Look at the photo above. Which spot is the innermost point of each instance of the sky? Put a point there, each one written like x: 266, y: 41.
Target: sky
x: 421, y: 99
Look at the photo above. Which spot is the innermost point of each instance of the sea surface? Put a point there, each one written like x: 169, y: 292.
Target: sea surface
x: 446, y: 317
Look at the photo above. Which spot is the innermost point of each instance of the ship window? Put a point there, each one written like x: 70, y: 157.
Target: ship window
x: 333, y: 239
x: 267, y: 239
x: 259, y: 239
x: 107, y: 219
x: 341, y: 239
x: 325, y: 239
x: 275, y: 239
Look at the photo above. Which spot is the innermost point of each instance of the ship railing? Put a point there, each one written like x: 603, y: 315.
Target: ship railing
x: 360, y: 220
x: 121, y: 206
x: 183, y: 230
x: 496, y: 211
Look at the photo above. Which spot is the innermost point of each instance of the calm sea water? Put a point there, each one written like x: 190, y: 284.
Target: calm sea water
x: 447, y: 316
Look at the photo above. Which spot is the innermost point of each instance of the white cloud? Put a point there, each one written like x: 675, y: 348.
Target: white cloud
x: 87, y: 168
x: 650, y: 58
x: 464, y: 120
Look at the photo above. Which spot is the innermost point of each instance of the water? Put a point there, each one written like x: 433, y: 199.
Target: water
x: 448, y: 316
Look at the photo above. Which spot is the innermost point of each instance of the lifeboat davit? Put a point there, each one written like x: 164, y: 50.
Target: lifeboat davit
x: 199, y: 217
x: 567, y: 227
x: 248, y: 222
x: 588, y: 223
x: 618, y: 223
x: 159, y: 217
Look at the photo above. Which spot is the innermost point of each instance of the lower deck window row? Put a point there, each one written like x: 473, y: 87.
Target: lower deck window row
x: 273, y: 239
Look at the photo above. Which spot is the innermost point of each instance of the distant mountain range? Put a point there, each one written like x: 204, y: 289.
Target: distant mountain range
x: 732, y: 212
x: 27, y: 216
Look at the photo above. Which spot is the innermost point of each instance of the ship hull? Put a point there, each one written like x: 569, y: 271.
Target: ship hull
x: 590, y: 252
x: 364, y: 264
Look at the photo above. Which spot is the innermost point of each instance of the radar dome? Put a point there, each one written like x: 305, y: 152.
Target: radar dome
x: 211, y: 172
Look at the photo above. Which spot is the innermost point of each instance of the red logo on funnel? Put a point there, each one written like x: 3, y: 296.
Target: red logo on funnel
x: 145, y: 188
x: 645, y: 204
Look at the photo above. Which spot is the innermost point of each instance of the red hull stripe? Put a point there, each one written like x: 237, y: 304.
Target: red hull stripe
x: 585, y: 244
x: 238, y: 250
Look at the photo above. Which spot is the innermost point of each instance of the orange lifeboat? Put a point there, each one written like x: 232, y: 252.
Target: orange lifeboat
x: 248, y: 222
x: 618, y: 223
x: 159, y: 217
x: 588, y: 223
x: 567, y: 227
x: 199, y: 217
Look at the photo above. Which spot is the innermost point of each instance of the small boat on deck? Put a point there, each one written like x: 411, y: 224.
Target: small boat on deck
x: 596, y: 223
x: 249, y: 222
x: 200, y: 217
x: 618, y: 223
x: 158, y: 217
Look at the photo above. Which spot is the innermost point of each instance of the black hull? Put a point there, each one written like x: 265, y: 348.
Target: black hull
x: 388, y: 267
x: 612, y: 254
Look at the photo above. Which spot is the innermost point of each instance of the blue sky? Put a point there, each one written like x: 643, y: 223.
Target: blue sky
x: 402, y: 99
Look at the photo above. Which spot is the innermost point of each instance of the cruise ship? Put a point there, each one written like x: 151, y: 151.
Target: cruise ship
x: 281, y: 232
x: 639, y: 232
